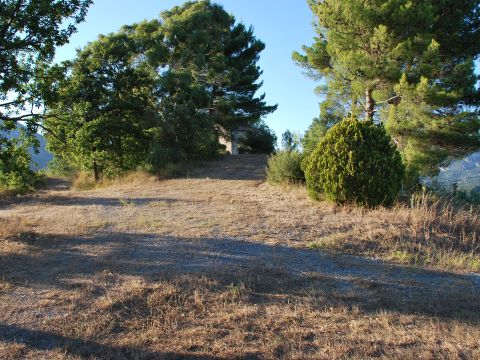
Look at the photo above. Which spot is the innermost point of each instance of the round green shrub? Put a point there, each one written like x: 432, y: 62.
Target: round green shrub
x: 285, y: 167
x: 356, y: 163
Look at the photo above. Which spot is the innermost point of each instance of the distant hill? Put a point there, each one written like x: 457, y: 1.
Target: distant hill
x: 41, y: 159
x: 464, y: 173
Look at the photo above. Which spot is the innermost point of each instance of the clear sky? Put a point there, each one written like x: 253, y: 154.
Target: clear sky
x: 283, y: 25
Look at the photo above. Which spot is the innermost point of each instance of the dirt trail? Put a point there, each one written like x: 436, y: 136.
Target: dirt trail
x: 163, y: 228
x: 221, y: 220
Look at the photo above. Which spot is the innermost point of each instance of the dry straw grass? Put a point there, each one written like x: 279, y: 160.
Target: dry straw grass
x: 83, y: 181
x: 109, y: 273
x: 428, y: 231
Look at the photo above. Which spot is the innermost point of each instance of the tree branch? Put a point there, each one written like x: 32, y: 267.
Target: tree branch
x: 15, y: 102
x: 389, y: 100
x: 36, y: 123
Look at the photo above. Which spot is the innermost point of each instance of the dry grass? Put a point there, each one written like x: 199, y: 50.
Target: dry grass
x: 212, y: 267
x: 256, y: 314
x: 83, y: 181
x: 430, y: 231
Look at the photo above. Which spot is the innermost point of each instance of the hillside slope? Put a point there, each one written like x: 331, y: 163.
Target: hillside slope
x: 215, y: 266
x: 40, y: 159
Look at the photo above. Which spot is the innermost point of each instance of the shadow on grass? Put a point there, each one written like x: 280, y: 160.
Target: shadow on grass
x: 44, y: 341
x: 59, y: 200
x: 60, y: 261
x: 239, y: 167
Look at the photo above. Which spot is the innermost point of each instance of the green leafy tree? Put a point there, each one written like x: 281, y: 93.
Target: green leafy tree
x: 289, y: 142
x: 199, y: 41
x: 29, y: 33
x: 16, y: 172
x: 409, y: 64
x: 169, y: 82
x: 104, y: 108
x: 356, y: 162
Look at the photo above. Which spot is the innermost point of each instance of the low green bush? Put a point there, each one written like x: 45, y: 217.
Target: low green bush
x: 285, y: 167
x: 16, y: 175
x: 355, y: 163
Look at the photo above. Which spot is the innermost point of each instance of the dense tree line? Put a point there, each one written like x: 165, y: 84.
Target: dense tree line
x: 164, y: 90
x: 159, y: 91
x: 155, y: 92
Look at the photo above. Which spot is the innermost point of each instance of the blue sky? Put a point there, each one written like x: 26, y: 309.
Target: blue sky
x: 284, y: 26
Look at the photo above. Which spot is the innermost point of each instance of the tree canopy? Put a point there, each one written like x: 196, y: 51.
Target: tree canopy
x: 159, y: 90
x: 409, y: 64
x: 29, y: 33
x: 103, y: 108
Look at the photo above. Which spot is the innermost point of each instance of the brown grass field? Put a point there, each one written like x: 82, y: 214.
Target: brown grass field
x: 221, y: 265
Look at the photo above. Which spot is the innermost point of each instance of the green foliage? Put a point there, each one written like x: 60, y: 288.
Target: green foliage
x: 357, y: 163
x: 16, y: 174
x: 30, y: 31
x: 285, y: 167
x: 469, y: 197
x: 260, y: 139
x: 290, y: 141
x: 314, y: 135
x: 408, y: 64
x: 180, y: 132
x: 426, y: 135
x: 102, y: 109
x: 154, y: 92
x: 332, y: 111
x: 61, y: 167
x: 221, y: 55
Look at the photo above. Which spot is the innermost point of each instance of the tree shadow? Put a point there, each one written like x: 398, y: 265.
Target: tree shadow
x: 59, y: 261
x: 60, y: 200
x: 44, y: 341
x: 238, y: 167
x: 56, y: 184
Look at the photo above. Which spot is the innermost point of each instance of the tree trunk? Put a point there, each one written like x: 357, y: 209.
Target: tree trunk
x: 369, y: 104
x: 96, y: 172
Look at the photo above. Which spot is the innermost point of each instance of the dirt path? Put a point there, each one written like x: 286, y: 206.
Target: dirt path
x: 222, y: 223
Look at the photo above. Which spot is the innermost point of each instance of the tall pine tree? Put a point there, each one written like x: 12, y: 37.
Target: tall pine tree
x: 162, y: 85
x: 409, y: 64
x: 220, y: 54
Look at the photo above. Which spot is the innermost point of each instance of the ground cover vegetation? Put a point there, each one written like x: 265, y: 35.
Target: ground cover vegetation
x: 215, y: 266
x: 219, y: 263
x: 407, y: 65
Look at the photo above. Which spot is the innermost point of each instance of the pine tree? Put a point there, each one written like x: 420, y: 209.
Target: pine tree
x: 222, y: 55
x: 209, y: 76
x: 155, y: 92
x: 409, y: 64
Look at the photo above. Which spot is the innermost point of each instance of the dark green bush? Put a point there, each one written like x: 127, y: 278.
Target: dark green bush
x: 285, y: 167
x: 260, y: 139
x: 355, y: 163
